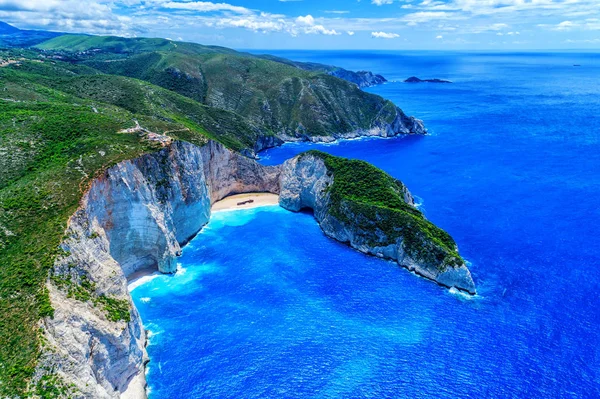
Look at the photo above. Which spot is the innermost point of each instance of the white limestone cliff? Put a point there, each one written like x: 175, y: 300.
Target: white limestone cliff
x: 137, y: 215
x: 305, y: 180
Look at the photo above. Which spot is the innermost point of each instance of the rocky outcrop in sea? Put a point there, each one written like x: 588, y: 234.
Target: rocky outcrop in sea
x: 306, y: 182
x: 414, y: 79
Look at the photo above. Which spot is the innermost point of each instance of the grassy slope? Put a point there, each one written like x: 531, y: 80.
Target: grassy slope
x: 58, y: 129
x: 141, y: 98
x: 364, y: 194
x: 278, y: 96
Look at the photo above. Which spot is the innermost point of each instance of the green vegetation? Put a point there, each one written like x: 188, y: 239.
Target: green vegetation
x: 83, y: 289
x: 370, y: 198
x: 50, y: 386
x: 275, y: 95
x: 54, y: 140
x: 117, y: 309
x: 64, y: 109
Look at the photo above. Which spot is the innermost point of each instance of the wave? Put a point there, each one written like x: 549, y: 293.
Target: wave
x: 133, y: 284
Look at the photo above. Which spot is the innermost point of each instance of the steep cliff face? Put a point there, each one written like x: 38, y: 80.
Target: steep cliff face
x: 398, y: 124
x: 361, y: 78
x: 137, y: 215
x: 401, y: 234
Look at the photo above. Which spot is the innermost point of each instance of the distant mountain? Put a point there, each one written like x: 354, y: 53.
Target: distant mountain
x: 11, y: 36
x: 6, y: 29
x: 361, y: 78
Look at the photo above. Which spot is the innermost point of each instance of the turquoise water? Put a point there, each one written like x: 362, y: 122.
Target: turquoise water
x: 266, y: 306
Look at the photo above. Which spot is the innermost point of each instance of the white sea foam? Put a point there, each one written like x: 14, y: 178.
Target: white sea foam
x: 463, y: 295
x: 180, y: 270
x: 151, y: 334
x: 133, y: 284
x: 145, y: 299
x: 418, y: 201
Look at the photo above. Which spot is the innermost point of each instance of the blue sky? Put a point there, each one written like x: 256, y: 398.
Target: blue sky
x: 327, y: 24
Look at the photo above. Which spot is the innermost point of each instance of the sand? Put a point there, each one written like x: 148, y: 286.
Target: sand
x: 226, y: 204
x: 231, y: 202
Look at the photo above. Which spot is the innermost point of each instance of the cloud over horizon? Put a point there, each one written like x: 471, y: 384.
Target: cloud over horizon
x: 332, y: 24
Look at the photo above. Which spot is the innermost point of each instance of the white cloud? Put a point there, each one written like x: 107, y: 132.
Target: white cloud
x: 565, y: 25
x: 336, y: 12
x: 350, y: 33
x: 66, y: 15
x: 384, y: 35
x: 206, y: 6
x: 416, y: 18
x: 439, y: 37
x: 307, y: 25
x: 266, y: 23
x: 252, y: 24
x: 381, y: 2
x: 307, y: 20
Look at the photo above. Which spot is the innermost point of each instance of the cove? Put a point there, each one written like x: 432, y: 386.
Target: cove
x: 265, y: 305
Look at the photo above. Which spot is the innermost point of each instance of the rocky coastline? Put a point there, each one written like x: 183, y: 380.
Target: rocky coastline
x: 401, y: 125
x: 360, y: 78
x: 306, y: 182
x: 136, y: 217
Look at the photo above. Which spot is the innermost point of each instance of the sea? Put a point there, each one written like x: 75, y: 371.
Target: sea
x: 265, y: 306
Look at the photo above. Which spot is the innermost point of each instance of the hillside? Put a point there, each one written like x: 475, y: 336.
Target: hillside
x: 59, y: 127
x: 82, y: 104
x: 282, y: 98
x: 14, y: 37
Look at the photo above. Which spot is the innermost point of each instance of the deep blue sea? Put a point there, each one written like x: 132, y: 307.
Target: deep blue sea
x: 266, y: 306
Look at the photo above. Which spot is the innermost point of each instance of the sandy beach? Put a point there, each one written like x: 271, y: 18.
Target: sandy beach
x: 258, y: 199
x: 147, y: 271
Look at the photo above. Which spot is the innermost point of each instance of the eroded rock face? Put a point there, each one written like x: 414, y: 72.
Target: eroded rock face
x: 137, y: 215
x: 401, y: 125
x: 304, y: 183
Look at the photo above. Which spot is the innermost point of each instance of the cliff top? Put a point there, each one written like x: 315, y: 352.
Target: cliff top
x: 381, y: 203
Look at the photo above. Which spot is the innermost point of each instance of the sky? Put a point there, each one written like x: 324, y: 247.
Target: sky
x: 326, y: 24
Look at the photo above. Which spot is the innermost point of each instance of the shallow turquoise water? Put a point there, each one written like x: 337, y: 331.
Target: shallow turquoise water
x: 269, y: 307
